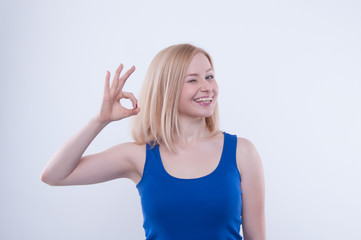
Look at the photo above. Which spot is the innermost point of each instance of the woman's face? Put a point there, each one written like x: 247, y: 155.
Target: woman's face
x: 199, y: 93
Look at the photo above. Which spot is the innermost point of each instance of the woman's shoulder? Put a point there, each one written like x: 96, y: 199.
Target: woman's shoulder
x: 247, y: 155
x: 132, y: 145
x: 243, y: 144
x: 132, y: 150
x: 135, y: 155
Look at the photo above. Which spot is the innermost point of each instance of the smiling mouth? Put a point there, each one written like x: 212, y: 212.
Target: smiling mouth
x: 204, y: 100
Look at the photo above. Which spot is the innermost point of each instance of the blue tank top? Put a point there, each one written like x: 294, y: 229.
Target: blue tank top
x: 205, y: 208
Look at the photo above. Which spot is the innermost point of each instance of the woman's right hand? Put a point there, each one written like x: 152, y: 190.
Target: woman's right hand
x: 112, y: 109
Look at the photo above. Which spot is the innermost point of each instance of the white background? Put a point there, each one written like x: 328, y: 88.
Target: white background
x: 289, y: 74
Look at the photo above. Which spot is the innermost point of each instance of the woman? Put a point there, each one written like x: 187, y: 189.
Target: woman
x: 187, y: 172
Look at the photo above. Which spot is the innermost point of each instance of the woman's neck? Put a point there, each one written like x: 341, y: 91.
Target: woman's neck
x: 191, y: 130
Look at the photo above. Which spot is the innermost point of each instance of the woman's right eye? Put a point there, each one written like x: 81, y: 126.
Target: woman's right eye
x: 192, y: 80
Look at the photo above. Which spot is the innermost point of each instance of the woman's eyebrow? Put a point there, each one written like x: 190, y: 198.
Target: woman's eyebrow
x: 196, y: 74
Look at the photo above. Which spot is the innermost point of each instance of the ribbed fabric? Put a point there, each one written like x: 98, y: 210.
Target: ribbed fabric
x: 205, y: 208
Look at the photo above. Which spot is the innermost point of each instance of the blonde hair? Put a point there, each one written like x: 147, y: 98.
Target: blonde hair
x: 158, y: 122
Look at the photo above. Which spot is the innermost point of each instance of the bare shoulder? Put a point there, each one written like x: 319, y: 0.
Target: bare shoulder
x: 131, y: 149
x: 247, y: 156
x: 134, y: 154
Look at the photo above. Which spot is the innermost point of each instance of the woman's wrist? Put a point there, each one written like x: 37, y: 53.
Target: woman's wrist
x: 100, y: 122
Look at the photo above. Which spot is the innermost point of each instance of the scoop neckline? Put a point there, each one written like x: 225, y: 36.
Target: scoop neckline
x: 197, y: 178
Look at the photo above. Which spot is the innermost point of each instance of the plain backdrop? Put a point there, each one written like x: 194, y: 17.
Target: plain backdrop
x: 289, y: 74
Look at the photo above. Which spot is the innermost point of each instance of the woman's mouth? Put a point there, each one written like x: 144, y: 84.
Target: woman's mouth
x: 204, y: 100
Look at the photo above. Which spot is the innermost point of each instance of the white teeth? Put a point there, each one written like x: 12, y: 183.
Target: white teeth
x: 208, y: 99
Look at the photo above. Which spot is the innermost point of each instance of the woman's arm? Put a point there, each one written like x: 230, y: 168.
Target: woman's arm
x: 68, y: 167
x: 253, y: 189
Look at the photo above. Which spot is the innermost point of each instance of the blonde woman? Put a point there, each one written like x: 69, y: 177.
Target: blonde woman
x: 194, y: 181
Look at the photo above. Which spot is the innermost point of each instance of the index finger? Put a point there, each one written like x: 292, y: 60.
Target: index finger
x: 115, y: 81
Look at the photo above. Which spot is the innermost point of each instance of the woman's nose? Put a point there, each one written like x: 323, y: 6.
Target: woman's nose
x: 206, y: 86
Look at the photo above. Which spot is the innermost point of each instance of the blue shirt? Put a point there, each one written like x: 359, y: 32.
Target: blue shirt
x: 205, y: 208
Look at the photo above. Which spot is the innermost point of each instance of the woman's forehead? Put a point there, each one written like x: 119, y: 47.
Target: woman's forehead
x: 199, y: 63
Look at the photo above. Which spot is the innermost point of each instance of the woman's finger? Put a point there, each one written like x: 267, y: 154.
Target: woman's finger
x: 130, y: 112
x: 106, y: 85
x: 115, y: 82
x: 131, y: 97
x: 125, y: 77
